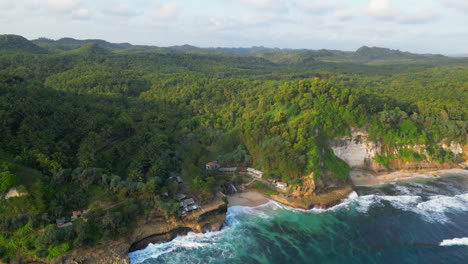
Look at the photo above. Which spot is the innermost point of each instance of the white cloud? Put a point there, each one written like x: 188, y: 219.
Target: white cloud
x: 33, y: 4
x: 121, y: 10
x: 341, y: 24
x: 63, y: 6
x: 342, y: 15
x: 6, y: 5
x: 422, y: 16
x: 461, y: 5
x: 279, y: 6
x: 167, y: 10
x: 261, y: 4
x: 248, y: 22
x: 82, y: 14
x: 216, y: 24
x: 315, y: 7
x: 381, y: 9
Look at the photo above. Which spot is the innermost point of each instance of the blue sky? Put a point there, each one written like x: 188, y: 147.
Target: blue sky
x: 435, y: 26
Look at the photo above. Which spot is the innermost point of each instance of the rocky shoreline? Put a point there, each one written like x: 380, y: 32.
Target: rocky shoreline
x: 159, y: 238
x: 323, y: 200
x: 211, y: 218
x: 333, y: 196
x: 158, y: 230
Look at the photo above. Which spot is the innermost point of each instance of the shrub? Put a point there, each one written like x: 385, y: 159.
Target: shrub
x: 384, y: 159
x: 57, y: 250
x: 440, y: 155
x: 42, y: 253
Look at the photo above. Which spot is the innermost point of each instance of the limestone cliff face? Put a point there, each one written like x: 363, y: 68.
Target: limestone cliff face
x: 359, y: 152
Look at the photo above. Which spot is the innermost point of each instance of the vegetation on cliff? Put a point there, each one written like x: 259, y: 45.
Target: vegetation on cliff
x: 100, y: 129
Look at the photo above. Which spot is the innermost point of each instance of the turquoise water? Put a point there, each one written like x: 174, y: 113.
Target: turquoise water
x: 417, y: 222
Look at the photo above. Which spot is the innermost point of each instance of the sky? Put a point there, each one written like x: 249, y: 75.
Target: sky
x: 422, y: 26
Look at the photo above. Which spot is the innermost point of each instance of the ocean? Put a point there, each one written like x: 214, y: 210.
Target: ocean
x: 413, y: 222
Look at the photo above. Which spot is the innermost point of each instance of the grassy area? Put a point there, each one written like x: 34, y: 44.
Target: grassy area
x: 262, y: 187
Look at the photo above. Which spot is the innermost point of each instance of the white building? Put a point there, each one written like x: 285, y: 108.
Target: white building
x: 255, y: 173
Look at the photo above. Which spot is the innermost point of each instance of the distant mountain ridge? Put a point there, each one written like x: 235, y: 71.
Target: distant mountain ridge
x: 72, y: 41
x: 382, y: 53
x: 90, y: 49
x: 364, y: 55
x: 362, y: 51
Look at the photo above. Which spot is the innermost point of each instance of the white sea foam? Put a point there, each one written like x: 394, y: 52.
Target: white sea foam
x: 403, y: 202
x: 353, y: 195
x: 152, y: 251
x: 435, y: 209
x: 403, y: 189
x: 235, y: 211
x: 431, y: 209
x: 455, y: 242
x: 189, y: 241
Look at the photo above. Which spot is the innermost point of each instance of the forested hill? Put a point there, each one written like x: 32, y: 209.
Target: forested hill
x: 367, y: 55
x: 92, y: 127
x: 10, y: 44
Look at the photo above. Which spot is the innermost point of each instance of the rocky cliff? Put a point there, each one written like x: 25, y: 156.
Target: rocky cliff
x: 150, y: 230
x: 147, y: 230
x: 359, y: 152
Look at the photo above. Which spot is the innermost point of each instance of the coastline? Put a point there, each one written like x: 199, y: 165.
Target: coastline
x: 253, y: 197
x: 147, y: 230
x: 366, y: 178
x: 212, y: 218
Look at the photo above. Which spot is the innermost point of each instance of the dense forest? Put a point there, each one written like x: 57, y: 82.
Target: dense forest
x: 100, y: 126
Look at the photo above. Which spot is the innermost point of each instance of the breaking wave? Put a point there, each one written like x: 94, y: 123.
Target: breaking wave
x: 455, y: 242
x: 247, y: 231
x: 189, y: 241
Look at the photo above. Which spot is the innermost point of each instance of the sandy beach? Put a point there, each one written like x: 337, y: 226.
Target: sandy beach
x: 249, y: 198
x: 358, y: 177
x: 363, y: 178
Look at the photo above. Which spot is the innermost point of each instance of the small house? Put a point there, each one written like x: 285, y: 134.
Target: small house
x: 76, y: 215
x: 255, y: 173
x: 187, y: 205
x: 173, y: 176
x: 187, y: 202
x: 281, y: 184
x: 192, y: 207
x: 62, y: 223
x: 179, y: 197
x: 212, y: 165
